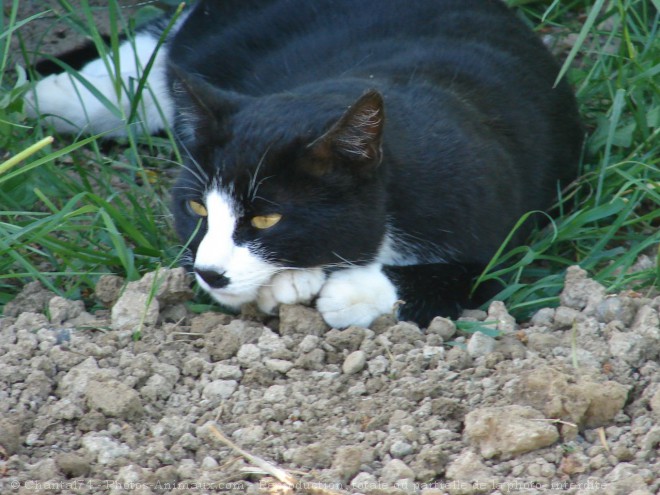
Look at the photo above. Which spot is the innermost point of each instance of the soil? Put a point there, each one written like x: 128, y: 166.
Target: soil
x: 566, y: 403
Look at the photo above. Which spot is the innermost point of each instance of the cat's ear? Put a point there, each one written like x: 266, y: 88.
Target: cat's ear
x: 206, y: 109
x: 356, y: 137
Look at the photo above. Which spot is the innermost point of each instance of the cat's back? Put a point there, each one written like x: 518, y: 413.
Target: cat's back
x: 265, y: 46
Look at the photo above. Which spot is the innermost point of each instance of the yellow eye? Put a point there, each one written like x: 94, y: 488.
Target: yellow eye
x: 197, y: 208
x: 265, y: 221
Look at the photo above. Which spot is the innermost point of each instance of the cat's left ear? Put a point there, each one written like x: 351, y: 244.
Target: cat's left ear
x: 357, y: 136
x: 205, y: 109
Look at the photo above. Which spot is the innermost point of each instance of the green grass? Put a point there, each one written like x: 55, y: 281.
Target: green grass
x: 81, y: 207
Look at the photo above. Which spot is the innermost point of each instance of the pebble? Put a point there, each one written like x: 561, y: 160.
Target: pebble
x: 219, y: 389
x: 248, y: 354
x: 275, y: 393
x: 222, y: 371
x: 508, y: 430
x: 354, y: 362
x: 114, y: 399
x: 401, y: 449
x: 279, y: 365
x: 347, y: 461
x: 309, y: 343
x: 104, y: 448
x: 396, y: 470
x: 480, y: 344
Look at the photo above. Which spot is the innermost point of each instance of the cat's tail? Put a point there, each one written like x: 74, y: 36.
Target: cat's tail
x: 99, y: 99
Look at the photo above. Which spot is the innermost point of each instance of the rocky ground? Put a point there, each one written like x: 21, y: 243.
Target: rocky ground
x: 568, y: 403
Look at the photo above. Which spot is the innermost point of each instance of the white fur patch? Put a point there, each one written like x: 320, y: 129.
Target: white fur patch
x: 246, y: 271
x: 356, y: 296
x: 290, y: 286
x: 65, y: 102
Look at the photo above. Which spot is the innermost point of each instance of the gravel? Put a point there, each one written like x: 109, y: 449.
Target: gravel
x: 568, y: 402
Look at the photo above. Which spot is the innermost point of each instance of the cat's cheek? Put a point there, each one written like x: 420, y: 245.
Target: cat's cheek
x: 356, y: 296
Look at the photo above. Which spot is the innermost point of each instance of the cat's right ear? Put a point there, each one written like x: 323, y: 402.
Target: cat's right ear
x: 205, y: 110
x: 356, y: 138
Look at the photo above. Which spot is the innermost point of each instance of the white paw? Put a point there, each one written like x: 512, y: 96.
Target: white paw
x: 290, y: 287
x: 356, y: 296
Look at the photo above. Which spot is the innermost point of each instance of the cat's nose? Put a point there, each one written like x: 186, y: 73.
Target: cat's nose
x: 216, y: 280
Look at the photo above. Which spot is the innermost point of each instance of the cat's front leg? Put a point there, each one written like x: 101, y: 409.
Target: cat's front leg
x: 290, y: 287
x: 356, y: 296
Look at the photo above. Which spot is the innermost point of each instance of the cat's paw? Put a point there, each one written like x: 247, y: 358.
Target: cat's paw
x: 290, y: 287
x: 356, y: 296
x: 62, y: 102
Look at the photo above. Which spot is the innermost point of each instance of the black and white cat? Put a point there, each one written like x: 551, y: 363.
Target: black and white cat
x: 348, y: 153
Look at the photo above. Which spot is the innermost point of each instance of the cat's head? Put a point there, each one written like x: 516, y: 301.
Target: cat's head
x: 277, y: 182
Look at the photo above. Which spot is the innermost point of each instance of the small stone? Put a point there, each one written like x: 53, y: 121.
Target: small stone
x: 10, y: 436
x: 209, y: 463
x: 458, y: 358
x: 429, y: 352
x: 31, y: 322
x: 313, y: 360
x: 566, y: 317
x: 378, y: 365
x: 347, y: 461
x: 250, y: 435
x: 468, y: 468
x: 314, y: 455
x: 606, y: 400
x: 276, y: 393
x: 170, y: 285
x: 297, y: 319
x: 543, y: 317
x: 114, y: 399
x: 222, y: 343
x: 278, y: 365
x: 134, y: 308
x: 509, y: 430
x: 309, y: 343
x: 616, y: 308
x: 206, y: 322
x: 396, y: 470
x: 364, y: 482
x: 223, y: 371
x: 61, y: 310
x: 72, y: 465
x: 480, y: 344
x: 628, y: 346
x: 505, y: 323
x: 580, y: 292
x: 248, y: 354
x: 219, y: 389
x: 32, y: 299
x: 474, y: 314
x: 348, y: 339
x: 104, y: 448
x: 108, y: 288
x: 157, y: 387
x: 400, y: 449
x: 354, y: 362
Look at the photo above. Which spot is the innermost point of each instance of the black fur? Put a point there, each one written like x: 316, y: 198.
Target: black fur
x: 464, y: 132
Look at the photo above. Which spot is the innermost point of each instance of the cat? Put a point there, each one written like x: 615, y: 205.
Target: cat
x: 368, y: 156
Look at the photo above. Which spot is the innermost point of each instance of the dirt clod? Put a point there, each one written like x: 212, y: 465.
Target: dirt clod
x: 569, y: 398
